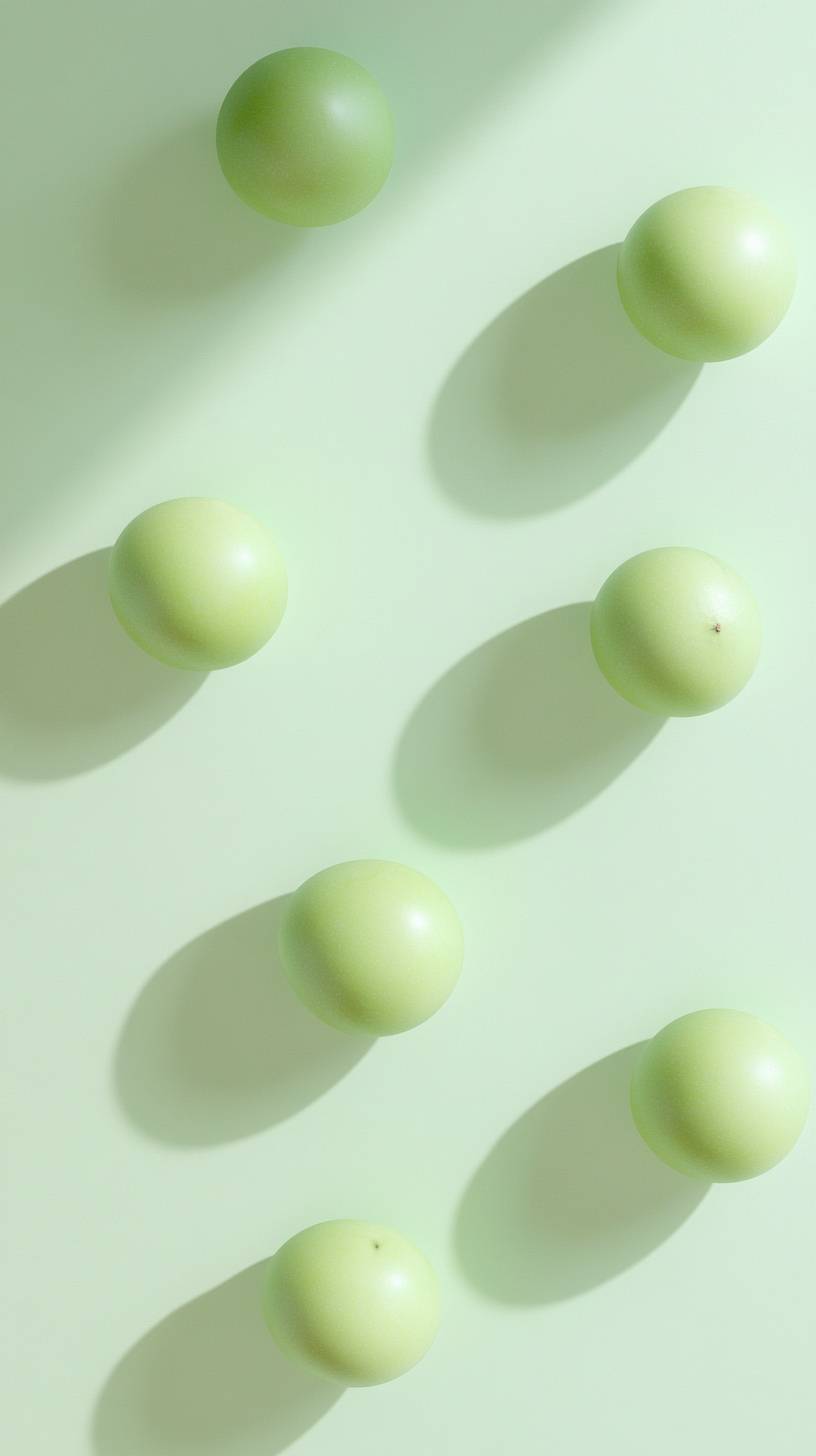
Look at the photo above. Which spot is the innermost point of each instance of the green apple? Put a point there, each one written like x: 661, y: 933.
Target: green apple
x: 197, y: 583
x: 707, y: 273
x: 676, y: 632
x: 305, y: 136
x: 371, y: 946
x: 720, y: 1095
x: 355, y: 1301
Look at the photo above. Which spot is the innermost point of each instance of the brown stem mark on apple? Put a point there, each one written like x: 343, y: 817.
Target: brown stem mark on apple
x: 717, y: 627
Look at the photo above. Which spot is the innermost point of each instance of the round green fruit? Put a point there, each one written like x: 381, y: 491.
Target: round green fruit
x: 371, y: 946
x: 197, y: 583
x: 720, y: 1095
x: 676, y: 632
x: 707, y: 273
x: 354, y: 1301
x: 305, y: 136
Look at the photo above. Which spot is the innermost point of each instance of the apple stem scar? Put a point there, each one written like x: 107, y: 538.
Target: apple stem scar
x: 717, y: 627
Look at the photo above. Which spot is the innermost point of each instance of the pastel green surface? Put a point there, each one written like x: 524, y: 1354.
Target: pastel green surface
x: 675, y: 631
x: 720, y: 1095
x: 707, y: 273
x: 197, y: 583
x: 162, y: 331
x: 355, y: 1301
x: 305, y: 136
x: 372, y: 946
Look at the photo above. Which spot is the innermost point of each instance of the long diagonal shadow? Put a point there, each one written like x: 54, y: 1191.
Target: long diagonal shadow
x: 76, y: 691
x: 570, y: 1196
x: 172, y: 231
x: 217, y: 1046
x: 553, y: 398
x: 209, y: 1378
x: 516, y: 736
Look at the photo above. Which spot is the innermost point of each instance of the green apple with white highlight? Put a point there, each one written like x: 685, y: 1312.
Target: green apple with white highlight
x: 305, y: 136
x: 197, y: 583
x: 371, y: 946
x: 707, y: 273
x: 676, y: 631
x: 720, y: 1095
x: 354, y: 1301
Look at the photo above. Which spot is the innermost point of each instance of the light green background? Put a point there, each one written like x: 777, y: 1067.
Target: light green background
x: 172, y: 1115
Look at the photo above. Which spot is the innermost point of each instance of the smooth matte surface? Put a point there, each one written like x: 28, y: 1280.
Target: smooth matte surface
x: 676, y: 632
x: 197, y: 583
x: 707, y: 273
x: 720, y: 1095
x: 305, y: 136
x: 354, y: 1301
x: 372, y: 946
x: 612, y: 872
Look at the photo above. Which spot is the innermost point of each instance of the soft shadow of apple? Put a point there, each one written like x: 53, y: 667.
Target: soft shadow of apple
x: 570, y: 1196
x: 516, y: 736
x: 554, y: 398
x: 209, y: 1378
x: 173, y: 229
x: 217, y: 1046
x: 76, y: 691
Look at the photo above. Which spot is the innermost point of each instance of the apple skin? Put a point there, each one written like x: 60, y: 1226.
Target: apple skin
x: 720, y: 1095
x: 354, y: 1301
x: 707, y: 273
x: 305, y: 136
x: 371, y: 946
x: 676, y: 632
x: 197, y: 583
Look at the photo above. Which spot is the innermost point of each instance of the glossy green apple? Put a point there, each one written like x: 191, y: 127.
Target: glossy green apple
x: 676, y: 632
x: 720, y: 1095
x: 305, y: 136
x: 707, y: 273
x: 371, y: 946
x: 355, y: 1301
x: 197, y: 583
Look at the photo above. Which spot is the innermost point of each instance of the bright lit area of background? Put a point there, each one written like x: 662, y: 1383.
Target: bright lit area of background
x: 442, y: 413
